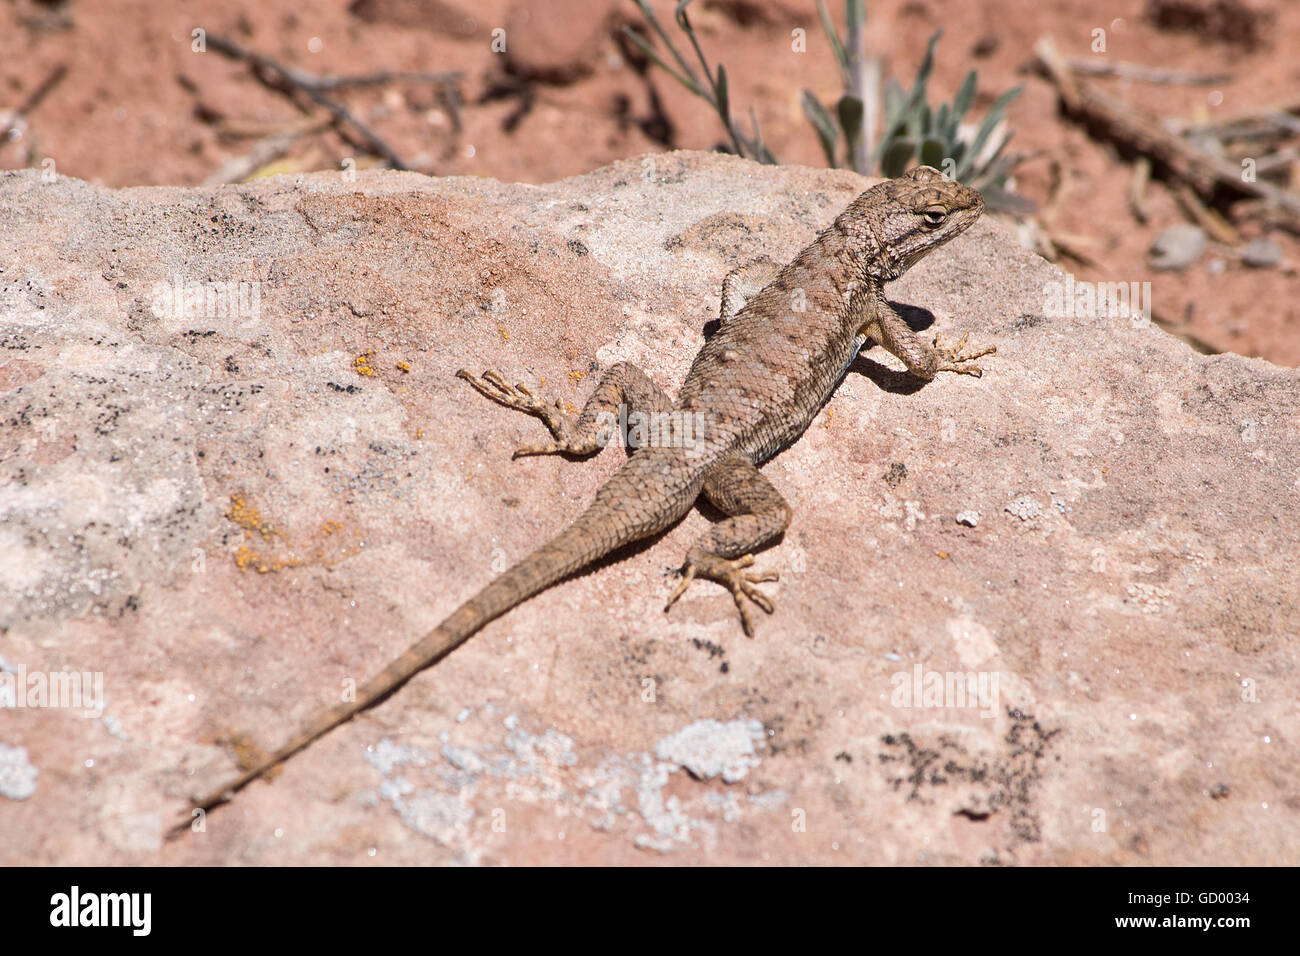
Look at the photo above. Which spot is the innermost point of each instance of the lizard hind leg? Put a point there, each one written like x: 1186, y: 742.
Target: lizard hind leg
x: 623, y: 386
x: 756, y: 514
x: 743, y: 283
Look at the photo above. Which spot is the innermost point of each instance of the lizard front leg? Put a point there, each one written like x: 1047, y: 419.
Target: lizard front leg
x: 756, y: 514
x: 591, y: 430
x: 924, y: 360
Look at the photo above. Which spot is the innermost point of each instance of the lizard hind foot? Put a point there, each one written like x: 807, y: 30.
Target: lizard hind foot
x: 955, y: 359
x: 730, y: 574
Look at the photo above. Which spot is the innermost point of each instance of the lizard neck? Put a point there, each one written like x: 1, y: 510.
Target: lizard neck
x: 859, y: 236
x: 860, y: 273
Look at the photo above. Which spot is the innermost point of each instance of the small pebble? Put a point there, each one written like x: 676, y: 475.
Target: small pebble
x: 1178, y: 247
x: 1262, y: 253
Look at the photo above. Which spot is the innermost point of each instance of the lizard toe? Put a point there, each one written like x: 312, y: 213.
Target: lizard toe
x: 730, y: 574
x: 688, y: 575
x: 956, y: 359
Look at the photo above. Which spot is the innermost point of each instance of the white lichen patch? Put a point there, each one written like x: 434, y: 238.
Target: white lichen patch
x: 17, y: 774
x: 709, y: 749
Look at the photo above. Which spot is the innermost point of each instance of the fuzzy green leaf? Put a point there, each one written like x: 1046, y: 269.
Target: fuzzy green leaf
x: 691, y: 84
x: 897, y: 157
x: 917, y: 96
x: 724, y: 100
x: 965, y: 96
x: 991, y: 120
x: 893, y: 104
x: 849, y: 109
x: 932, y: 153
x: 837, y: 47
x: 821, y: 121
x: 648, y: 12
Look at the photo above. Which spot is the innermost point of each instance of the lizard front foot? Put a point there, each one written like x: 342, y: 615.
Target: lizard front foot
x: 518, y: 397
x: 953, y: 359
x: 729, y: 574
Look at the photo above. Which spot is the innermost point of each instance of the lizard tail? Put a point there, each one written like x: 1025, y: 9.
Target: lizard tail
x: 587, y: 539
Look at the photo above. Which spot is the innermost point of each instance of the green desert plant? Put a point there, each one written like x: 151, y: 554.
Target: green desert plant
x: 713, y: 89
x: 851, y: 108
x: 911, y: 129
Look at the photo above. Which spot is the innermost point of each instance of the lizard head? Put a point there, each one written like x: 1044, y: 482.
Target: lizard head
x: 898, y: 221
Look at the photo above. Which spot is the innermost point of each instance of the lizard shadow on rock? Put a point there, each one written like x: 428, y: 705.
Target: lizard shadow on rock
x: 886, y: 378
x: 901, y: 383
x: 918, y: 318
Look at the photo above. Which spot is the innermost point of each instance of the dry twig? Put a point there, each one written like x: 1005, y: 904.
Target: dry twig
x: 16, y: 119
x: 1147, y: 74
x: 287, y: 79
x: 1184, y: 161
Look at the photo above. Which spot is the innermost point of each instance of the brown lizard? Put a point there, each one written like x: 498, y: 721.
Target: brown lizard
x: 753, y: 389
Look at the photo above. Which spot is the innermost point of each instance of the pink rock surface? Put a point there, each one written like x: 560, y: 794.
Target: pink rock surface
x: 224, y: 518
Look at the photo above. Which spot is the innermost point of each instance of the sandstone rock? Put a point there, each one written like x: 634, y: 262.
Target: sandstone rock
x: 238, y: 474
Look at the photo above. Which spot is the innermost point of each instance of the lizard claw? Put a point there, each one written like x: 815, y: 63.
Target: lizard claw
x: 729, y: 575
x: 493, y: 386
x: 520, y: 397
x: 955, y: 359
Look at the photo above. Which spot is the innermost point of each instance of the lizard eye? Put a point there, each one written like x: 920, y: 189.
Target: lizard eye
x: 935, y: 215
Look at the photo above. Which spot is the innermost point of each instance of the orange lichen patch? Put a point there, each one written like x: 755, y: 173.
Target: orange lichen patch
x: 361, y: 364
x: 419, y: 433
x: 330, y: 543
x: 249, y: 518
x: 246, y: 558
x: 576, y: 377
x: 404, y: 367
